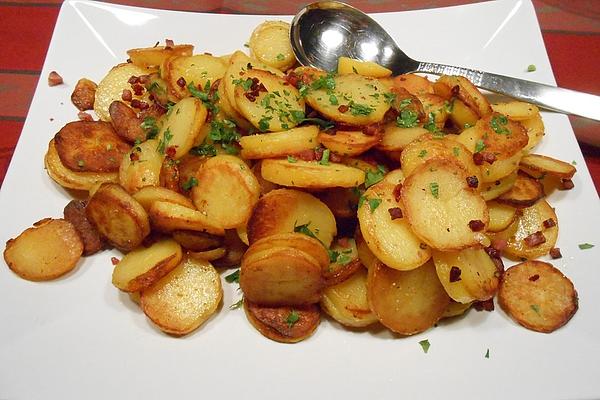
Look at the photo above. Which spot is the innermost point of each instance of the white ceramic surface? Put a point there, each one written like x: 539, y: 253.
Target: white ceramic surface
x: 80, y: 338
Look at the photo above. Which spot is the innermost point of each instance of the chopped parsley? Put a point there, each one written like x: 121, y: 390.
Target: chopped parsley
x: 204, y: 96
x: 422, y: 153
x: 325, y: 157
x: 585, y: 246
x: 487, y: 353
x: 434, y: 187
x: 318, y: 121
x: 498, y: 124
x: 425, y: 345
x: 80, y: 163
x: 479, y: 146
x: 373, y: 204
x: 234, y: 277
x: 237, y: 304
x: 225, y: 132
x: 574, y: 162
x: 190, y: 183
x: 372, y: 177
x: 333, y: 100
x: 535, y: 308
x: 292, y: 318
x: 456, y: 151
x: 150, y: 128
x: 305, y: 230
x: 298, y: 115
x: 360, y: 109
x: 164, y: 141
x: 326, y: 82
x: 531, y: 68
x: 280, y: 57
x: 292, y: 159
x: 246, y: 84
x: 205, y: 149
x: 407, y: 119
x: 389, y: 97
x: 431, y: 125
x: 263, y: 124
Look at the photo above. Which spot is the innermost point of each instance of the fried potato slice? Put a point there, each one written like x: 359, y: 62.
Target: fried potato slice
x: 455, y: 309
x: 199, y: 70
x: 493, y: 189
x: 467, y: 275
x: 90, y: 146
x: 538, y: 220
x: 287, y: 210
x: 152, y: 58
x: 348, y: 65
x: 347, y: 301
x: 343, y: 261
x: 414, y: 84
x: 185, y: 298
x: 435, y: 108
x: 468, y: 94
x: 502, y: 136
x: 284, y: 324
x: 365, y: 255
x: 311, y: 174
x: 196, y: 241
x: 112, y: 85
x: 406, y: 302
x: 516, y: 110
x: 538, y: 165
x: 168, y: 216
x: 144, y: 266
x: 84, y: 94
x: 361, y: 96
x: 51, y: 248
x: 535, y: 131
x: 126, y: 122
x: 396, y: 138
x: 74, y: 212
x: 461, y: 114
x: 280, y: 276
x: 501, y: 216
x: 227, y: 109
x: 118, y: 217
x: 387, y: 231
x: 268, y: 101
x: 441, y: 208
x: 348, y: 143
x: 538, y: 296
x: 227, y: 191
x: 141, y: 166
x: 270, y: 44
x: 147, y: 195
x: 182, y: 127
x: 299, y: 241
x: 524, y: 193
x: 73, y: 179
x: 279, y: 144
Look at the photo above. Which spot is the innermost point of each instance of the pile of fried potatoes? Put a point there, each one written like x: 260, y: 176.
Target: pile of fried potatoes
x: 375, y: 198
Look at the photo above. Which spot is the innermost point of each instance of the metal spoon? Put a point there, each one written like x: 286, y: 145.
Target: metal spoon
x: 324, y: 31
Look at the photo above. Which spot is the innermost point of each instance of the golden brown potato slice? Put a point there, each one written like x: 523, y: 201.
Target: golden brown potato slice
x: 491, y: 190
x: 267, y: 101
x: 501, y: 136
x: 279, y: 144
x: 387, y: 231
x: 90, y: 146
x: 299, y: 241
x: 311, y: 174
x: 467, y: 275
x: 414, y: 84
x: 118, y: 216
x: 112, y: 85
x: 83, y: 95
x: 185, y: 298
x: 435, y: 108
x: 538, y: 165
x: 287, y: 210
x: 365, y: 68
x: 442, y: 209
x: 462, y: 115
x: 516, y: 110
x: 152, y: 58
x: 168, y: 216
x: 347, y: 301
x: 73, y: 179
x: 51, y: 248
x: 126, y: 122
x: 147, y: 195
x: 535, y: 131
x: 228, y: 110
x: 455, y: 309
x: 533, y: 234
x: 396, y: 138
x: 501, y: 216
x: 196, y: 241
x: 280, y: 276
x: 144, y: 266
x: 524, y: 193
x: 270, y: 44
x: 360, y: 98
x: 468, y: 94
x: 538, y: 296
x: 227, y: 191
x: 74, y: 212
x: 365, y: 255
x: 198, y: 70
x: 406, y: 302
x: 141, y: 166
x: 343, y: 261
x: 284, y: 323
x: 181, y: 127
x: 348, y: 143
x: 208, y: 255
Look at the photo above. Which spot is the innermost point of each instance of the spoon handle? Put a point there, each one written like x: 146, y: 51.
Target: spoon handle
x: 546, y: 96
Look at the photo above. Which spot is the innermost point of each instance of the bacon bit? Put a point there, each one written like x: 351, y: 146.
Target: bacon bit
x: 395, y: 212
x: 472, y: 181
x: 292, y: 79
x: 373, y: 129
x: 476, y: 225
x: 343, y: 108
x: 83, y: 116
x: 343, y: 242
x: 422, y: 246
x: 171, y: 151
x: 534, y: 278
x: 488, y: 157
x: 455, y: 274
x: 494, y: 254
x: 535, y: 239
x: 566, y: 184
x: 478, y: 158
x: 486, y: 305
x: 549, y: 223
x: 141, y: 105
x: 455, y: 90
x: 133, y: 80
x: 169, y: 44
x: 144, y: 79
x: 181, y: 82
x: 397, y: 192
x: 499, y: 244
x: 255, y: 89
x: 138, y: 89
x: 555, y: 253
x: 306, y: 155
x: 126, y: 95
x: 114, y: 260
x: 54, y: 78
x: 492, y: 251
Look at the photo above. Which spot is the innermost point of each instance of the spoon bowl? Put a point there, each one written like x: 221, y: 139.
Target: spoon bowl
x: 324, y: 31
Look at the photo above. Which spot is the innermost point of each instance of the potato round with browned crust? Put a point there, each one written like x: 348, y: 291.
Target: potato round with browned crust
x: 74, y: 212
x: 284, y: 324
x: 112, y: 85
x: 299, y: 241
x: 311, y: 174
x: 468, y: 94
x: 126, y: 122
x: 90, y: 146
x: 118, y: 216
x: 501, y: 136
x: 348, y: 143
x: 538, y: 296
x: 51, y: 248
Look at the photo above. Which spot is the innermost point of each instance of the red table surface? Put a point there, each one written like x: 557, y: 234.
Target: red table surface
x: 571, y: 32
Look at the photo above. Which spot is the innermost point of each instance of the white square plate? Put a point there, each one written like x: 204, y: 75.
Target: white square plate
x: 80, y: 338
